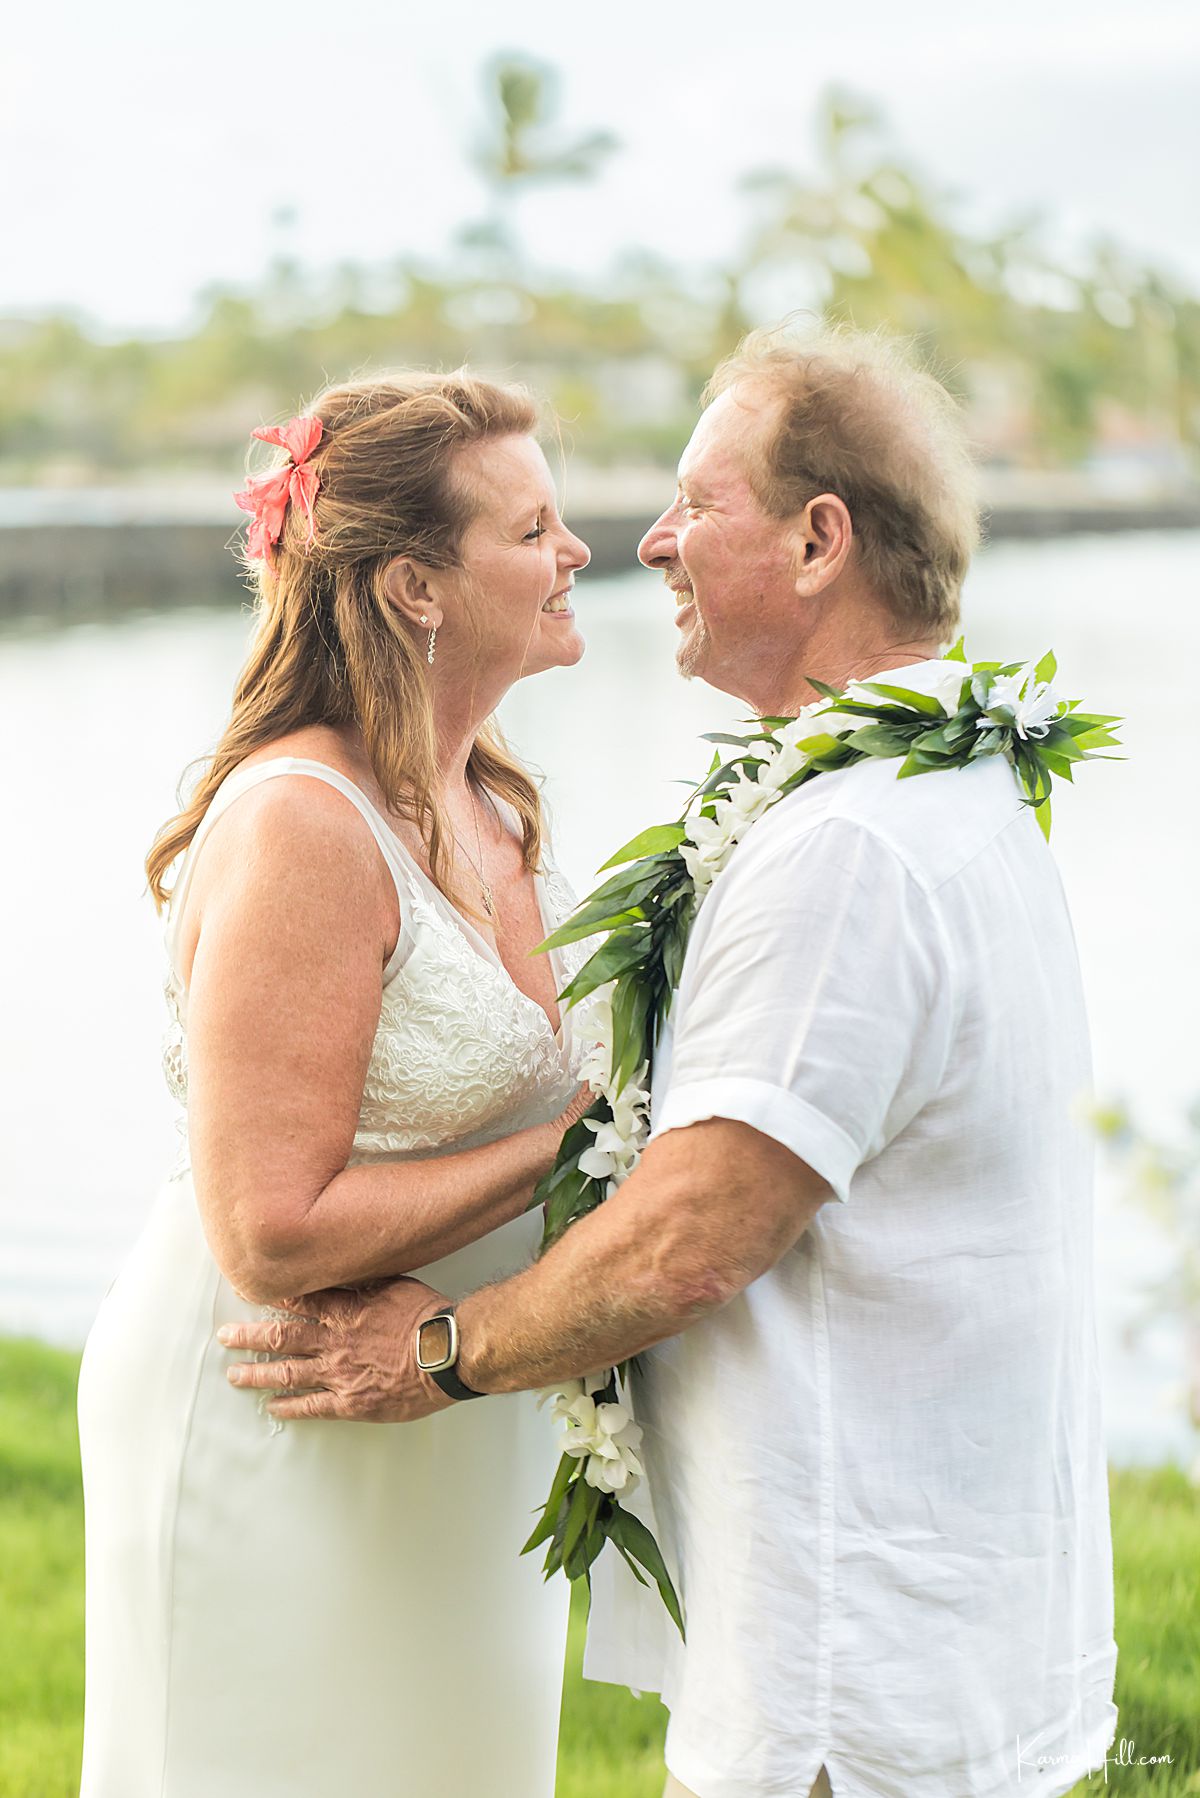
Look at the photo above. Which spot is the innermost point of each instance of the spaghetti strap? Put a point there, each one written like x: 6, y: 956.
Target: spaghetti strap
x: 240, y: 781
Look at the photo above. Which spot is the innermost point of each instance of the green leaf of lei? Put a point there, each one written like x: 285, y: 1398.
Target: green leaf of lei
x: 655, y: 841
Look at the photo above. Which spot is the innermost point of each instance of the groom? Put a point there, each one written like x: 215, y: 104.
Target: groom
x: 855, y: 1261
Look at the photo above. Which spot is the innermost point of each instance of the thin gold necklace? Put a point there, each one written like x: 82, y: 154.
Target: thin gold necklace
x: 489, y: 902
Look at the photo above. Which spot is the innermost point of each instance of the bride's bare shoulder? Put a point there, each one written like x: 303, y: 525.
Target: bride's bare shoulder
x: 338, y: 750
x: 313, y: 743
x: 295, y: 838
x: 276, y: 810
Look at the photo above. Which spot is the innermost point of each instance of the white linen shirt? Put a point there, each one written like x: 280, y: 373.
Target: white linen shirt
x: 879, y: 1472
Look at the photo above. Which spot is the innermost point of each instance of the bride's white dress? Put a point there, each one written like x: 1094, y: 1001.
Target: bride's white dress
x: 320, y: 1607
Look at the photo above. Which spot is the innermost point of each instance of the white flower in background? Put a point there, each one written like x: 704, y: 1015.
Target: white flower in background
x: 1022, y: 701
x: 605, y: 1434
x: 941, y: 680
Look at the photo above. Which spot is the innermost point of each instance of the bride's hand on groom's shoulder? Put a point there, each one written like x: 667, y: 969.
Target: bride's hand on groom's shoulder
x: 349, y: 1352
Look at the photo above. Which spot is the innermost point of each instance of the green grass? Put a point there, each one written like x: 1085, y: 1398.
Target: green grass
x: 41, y: 1574
x: 611, y: 1742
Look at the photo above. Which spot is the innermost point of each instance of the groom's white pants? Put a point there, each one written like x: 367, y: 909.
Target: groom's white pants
x: 673, y: 1789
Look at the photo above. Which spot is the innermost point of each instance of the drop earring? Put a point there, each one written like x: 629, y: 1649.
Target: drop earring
x: 432, y: 642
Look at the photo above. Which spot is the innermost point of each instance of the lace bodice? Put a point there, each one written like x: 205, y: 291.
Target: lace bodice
x: 461, y: 1055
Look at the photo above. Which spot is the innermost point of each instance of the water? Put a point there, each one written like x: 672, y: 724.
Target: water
x: 98, y: 721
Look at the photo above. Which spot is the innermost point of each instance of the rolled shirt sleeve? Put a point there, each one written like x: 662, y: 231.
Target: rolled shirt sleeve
x: 817, y: 998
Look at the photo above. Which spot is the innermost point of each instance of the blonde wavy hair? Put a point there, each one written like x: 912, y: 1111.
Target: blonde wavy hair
x: 857, y: 415
x: 328, y: 647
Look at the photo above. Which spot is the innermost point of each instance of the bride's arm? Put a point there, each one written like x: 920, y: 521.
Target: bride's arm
x: 296, y: 921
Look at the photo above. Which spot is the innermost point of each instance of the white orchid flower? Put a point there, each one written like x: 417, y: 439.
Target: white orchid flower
x: 779, y: 767
x: 596, y: 1066
x: 621, y: 1474
x: 603, y: 1435
x: 606, y: 1154
x: 567, y: 1391
x: 705, y: 850
x: 1022, y: 701
x: 597, y: 1163
x: 708, y: 833
x: 815, y: 722
x: 620, y: 1140
x: 703, y: 865
x: 631, y: 1112
x: 596, y: 1009
x: 744, y: 802
x: 593, y: 1024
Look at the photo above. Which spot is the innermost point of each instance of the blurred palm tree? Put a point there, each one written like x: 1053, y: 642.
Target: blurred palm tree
x: 520, y: 149
x: 526, y: 94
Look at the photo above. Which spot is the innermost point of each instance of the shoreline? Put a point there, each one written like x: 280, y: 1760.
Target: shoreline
x: 71, y: 554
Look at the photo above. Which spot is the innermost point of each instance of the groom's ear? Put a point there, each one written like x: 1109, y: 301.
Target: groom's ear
x: 821, y: 538
x: 410, y: 587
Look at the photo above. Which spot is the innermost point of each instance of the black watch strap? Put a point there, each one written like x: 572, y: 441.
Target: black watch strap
x: 448, y: 1380
x: 447, y: 1377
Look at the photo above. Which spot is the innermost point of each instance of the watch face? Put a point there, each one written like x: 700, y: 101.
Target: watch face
x: 435, y: 1344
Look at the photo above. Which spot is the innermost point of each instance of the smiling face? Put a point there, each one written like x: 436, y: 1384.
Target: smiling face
x: 517, y: 562
x: 730, y: 565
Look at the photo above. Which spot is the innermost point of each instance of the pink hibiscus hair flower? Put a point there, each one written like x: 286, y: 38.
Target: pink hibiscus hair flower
x: 266, y: 496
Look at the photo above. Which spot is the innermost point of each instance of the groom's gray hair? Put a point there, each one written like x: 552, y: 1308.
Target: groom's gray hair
x: 859, y: 416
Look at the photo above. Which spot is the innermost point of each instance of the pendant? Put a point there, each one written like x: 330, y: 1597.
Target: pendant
x: 489, y: 904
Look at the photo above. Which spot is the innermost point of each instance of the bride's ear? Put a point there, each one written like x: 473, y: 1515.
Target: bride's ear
x: 407, y: 585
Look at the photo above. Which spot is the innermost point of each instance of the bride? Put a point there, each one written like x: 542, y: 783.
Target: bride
x: 375, y: 1074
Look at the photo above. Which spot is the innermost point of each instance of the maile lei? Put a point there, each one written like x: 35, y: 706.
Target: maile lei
x: 644, y: 914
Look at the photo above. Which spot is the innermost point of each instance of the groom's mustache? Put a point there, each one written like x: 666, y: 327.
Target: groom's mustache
x: 676, y: 579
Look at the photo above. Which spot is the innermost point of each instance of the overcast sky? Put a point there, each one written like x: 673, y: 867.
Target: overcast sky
x: 146, y: 147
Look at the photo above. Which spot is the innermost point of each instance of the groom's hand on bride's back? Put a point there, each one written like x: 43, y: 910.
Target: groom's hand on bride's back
x: 347, y: 1353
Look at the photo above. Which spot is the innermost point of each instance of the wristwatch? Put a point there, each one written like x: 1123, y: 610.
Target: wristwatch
x: 437, y: 1353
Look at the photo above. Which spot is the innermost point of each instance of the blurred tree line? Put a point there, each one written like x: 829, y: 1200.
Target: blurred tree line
x: 1162, y: 1176
x: 1055, y: 363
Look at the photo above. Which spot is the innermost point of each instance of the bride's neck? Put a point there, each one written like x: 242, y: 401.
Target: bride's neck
x: 456, y: 727
x: 455, y: 736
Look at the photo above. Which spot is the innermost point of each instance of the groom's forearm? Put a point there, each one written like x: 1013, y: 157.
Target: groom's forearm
x: 601, y: 1294
x: 709, y: 1209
